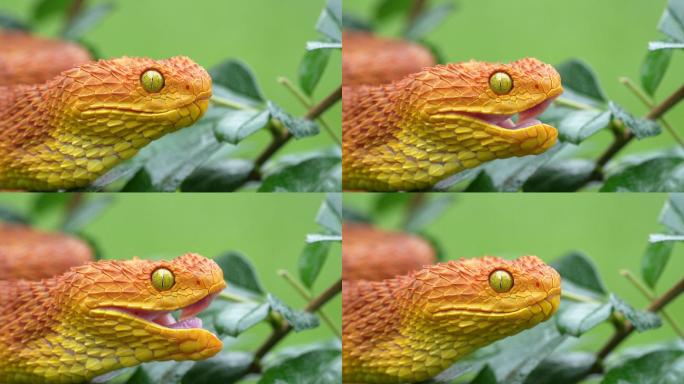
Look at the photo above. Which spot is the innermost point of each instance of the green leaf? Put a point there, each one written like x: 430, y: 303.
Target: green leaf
x: 482, y: 183
x: 578, y: 318
x: 506, y: 175
x: 11, y: 216
x: 311, y: 261
x: 641, y: 127
x: 236, y: 125
x: 562, y: 368
x: 661, y: 174
x: 86, y: 20
x: 387, y: 202
x: 224, y: 368
x: 319, y: 174
x: 330, y: 213
x: 642, y: 320
x: 330, y: 21
x: 236, y: 77
x: 654, y: 261
x: 141, y: 181
x: 314, y: 367
x: 428, y: 20
x: 169, y: 160
x: 222, y: 176
x: 46, y: 8
x: 8, y: 21
x: 580, y: 125
x: 658, y: 367
x: 428, y: 212
x: 653, y: 69
x: 311, y: 69
x: 351, y: 21
x: 386, y: 9
x: 299, y: 320
x: 86, y: 212
x: 317, y: 238
x: 672, y: 214
x: 657, y: 45
x: 299, y: 127
x: 239, y: 317
x: 579, y: 271
x: 485, y: 376
x: 577, y: 76
x: 659, y: 237
x: 46, y: 202
x: 560, y: 176
x: 314, y: 45
x: 239, y: 271
x: 672, y: 21
x: 165, y: 371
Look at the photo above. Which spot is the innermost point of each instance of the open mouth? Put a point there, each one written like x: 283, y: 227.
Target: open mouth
x: 523, y: 119
x: 186, y: 320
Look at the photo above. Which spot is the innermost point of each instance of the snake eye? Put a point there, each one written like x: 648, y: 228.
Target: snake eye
x: 501, y: 281
x: 162, y: 279
x: 152, y: 81
x: 501, y: 83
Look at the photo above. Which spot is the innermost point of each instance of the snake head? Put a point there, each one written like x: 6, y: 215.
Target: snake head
x: 487, y: 294
x: 131, y: 99
x: 123, y: 309
x: 474, y: 105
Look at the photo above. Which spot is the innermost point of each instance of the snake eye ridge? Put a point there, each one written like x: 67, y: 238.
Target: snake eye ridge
x: 501, y: 281
x: 163, y: 279
x: 152, y: 81
x: 501, y: 83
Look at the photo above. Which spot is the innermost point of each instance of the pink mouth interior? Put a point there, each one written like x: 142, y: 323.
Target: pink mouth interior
x: 186, y: 320
x: 525, y: 118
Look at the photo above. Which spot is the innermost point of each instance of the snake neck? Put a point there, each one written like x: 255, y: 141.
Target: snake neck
x: 45, y: 146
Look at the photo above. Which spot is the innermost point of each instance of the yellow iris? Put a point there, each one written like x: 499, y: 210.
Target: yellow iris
x: 163, y: 279
x: 501, y: 83
x: 501, y: 281
x: 152, y: 81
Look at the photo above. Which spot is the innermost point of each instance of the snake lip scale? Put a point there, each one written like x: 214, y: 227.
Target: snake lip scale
x: 546, y: 304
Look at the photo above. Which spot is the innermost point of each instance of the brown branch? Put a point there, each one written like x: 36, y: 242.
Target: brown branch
x: 280, y: 333
x: 622, y: 333
x: 621, y: 141
x: 280, y: 140
x: 416, y: 9
x: 75, y: 8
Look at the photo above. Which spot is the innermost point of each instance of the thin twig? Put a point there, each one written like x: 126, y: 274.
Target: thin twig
x: 649, y: 103
x: 306, y: 296
x: 230, y: 104
x: 279, y: 141
x: 416, y: 9
x: 563, y: 102
x: 578, y: 298
x: 74, y: 9
x: 622, y: 140
x: 307, y: 104
x: 280, y: 334
x: 649, y: 295
x: 621, y: 335
x: 233, y: 297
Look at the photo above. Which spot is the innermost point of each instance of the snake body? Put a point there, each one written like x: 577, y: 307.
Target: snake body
x: 410, y: 327
x: 408, y: 132
x: 65, y: 132
x: 100, y: 316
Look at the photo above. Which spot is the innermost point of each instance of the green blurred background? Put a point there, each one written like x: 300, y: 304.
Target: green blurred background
x: 612, y: 229
x: 269, y: 35
x: 611, y: 35
x: 270, y: 229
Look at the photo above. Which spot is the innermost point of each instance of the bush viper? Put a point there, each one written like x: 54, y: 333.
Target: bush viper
x: 411, y: 327
x: 100, y: 316
x: 69, y: 130
x: 417, y: 129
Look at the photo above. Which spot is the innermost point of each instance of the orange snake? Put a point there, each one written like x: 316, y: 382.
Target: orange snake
x: 410, y: 327
x: 407, y: 123
x: 95, y: 317
x: 65, y: 120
